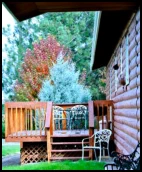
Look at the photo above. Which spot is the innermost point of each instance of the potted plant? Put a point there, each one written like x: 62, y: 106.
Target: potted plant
x: 122, y: 80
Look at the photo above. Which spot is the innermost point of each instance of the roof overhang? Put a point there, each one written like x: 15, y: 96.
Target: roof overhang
x: 112, y: 25
x: 114, y: 18
x: 26, y: 10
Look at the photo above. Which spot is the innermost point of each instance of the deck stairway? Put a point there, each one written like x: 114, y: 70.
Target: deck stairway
x: 67, y: 148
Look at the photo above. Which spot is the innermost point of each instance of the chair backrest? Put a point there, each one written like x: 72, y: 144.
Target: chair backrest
x: 57, y: 111
x: 79, y: 113
x: 57, y: 115
x: 136, y: 154
x: 135, y: 157
x: 128, y: 162
x: 102, y: 136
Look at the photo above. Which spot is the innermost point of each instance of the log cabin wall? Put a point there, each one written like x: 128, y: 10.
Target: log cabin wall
x: 126, y: 98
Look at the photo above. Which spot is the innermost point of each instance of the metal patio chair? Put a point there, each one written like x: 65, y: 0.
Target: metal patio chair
x: 57, y: 117
x: 101, y: 141
x: 78, y: 118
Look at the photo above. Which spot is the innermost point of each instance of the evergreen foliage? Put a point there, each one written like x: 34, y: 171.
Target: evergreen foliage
x: 63, y: 86
x: 73, y: 30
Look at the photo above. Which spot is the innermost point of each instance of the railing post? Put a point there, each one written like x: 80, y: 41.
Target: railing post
x: 64, y: 121
x: 49, y: 130
x: 91, y: 127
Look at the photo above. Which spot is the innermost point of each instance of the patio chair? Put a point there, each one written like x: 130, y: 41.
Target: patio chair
x: 125, y: 162
x: 57, y: 117
x: 101, y: 141
x: 78, y: 117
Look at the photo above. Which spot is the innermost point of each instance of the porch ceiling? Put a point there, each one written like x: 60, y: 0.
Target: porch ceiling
x: 114, y: 18
x: 112, y: 25
x: 26, y: 10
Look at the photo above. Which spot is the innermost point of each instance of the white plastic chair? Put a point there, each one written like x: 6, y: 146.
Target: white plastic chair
x: 102, y: 136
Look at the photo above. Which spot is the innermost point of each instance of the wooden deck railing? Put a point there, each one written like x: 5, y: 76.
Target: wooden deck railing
x: 100, y: 111
x: 25, y: 118
x: 29, y: 117
x: 49, y: 128
x: 103, y: 113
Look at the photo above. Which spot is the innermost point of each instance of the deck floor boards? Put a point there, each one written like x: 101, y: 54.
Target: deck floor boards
x: 70, y: 133
x: 57, y: 133
x: 28, y: 133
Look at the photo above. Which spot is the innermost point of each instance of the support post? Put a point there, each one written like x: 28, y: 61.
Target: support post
x: 91, y: 127
x: 49, y: 128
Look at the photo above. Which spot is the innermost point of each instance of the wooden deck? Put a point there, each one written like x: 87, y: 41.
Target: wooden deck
x: 57, y: 133
x: 28, y: 133
x: 34, y: 135
x: 70, y: 133
x: 33, y: 122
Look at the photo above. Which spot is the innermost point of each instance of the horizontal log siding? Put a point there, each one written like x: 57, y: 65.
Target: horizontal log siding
x: 126, y: 137
x: 126, y: 129
x: 124, y: 144
x: 134, y: 62
x: 119, y: 147
x: 126, y: 98
x: 131, y: 122
x: 134, y: 113
x: 128, y: 95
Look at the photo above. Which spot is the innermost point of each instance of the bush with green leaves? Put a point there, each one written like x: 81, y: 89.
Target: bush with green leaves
x: 63, y: 85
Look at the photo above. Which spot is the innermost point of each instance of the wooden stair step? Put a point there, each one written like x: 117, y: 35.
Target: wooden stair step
x: 69, y: 150
x: 68, y: 158
x: 68, y: 143
x: 75, y: 135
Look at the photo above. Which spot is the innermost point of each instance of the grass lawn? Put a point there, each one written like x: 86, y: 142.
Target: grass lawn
x: 10, y: 149
x: 62, y: 165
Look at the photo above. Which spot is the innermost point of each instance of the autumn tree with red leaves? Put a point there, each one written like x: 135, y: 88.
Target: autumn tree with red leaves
x: 35, y: 67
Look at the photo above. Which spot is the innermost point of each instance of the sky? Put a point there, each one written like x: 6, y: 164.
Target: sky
x: 7, y: 18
